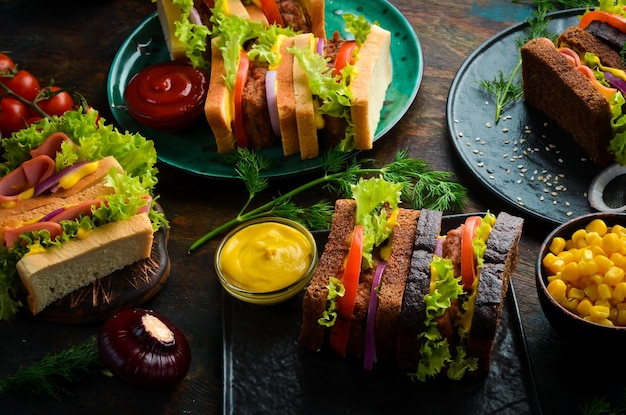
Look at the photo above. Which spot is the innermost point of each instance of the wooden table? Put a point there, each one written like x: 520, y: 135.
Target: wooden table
x: 74, y: 43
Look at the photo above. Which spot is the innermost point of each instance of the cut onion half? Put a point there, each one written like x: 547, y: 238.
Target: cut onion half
x: 370, y: 341
x: 194, y: 16
x: 439, y: 247
x: 595, y: 194
x: 320, y: 46
x: 615, y: 81
x: 272, y: 104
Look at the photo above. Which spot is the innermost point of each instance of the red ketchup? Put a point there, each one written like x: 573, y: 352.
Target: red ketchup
x: 168, y: 96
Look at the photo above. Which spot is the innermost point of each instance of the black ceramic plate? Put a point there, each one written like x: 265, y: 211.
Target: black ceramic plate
x: 525, y: 159
x: 266, y: 371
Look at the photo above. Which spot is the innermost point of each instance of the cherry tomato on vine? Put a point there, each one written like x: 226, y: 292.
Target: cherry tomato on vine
x: 23, y: 84
x: 12, y: 116
x: 58, y: 104
x: 6, y: 63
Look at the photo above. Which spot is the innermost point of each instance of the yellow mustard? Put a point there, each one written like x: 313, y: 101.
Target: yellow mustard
x: 265, y: 257
x: 71, y: 179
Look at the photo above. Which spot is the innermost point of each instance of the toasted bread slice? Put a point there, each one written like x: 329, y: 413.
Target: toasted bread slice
x: 305, y: 110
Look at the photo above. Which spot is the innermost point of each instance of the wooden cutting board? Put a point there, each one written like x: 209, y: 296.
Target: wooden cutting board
x: 129, y: 287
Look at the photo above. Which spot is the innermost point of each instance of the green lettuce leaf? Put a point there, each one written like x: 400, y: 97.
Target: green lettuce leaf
x: 434, y: 350
x: 335, y: 289
x: 372, y: 197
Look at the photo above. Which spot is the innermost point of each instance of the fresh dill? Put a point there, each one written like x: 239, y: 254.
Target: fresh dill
x: 52, y: 374
x: 600, y: 405
x: 422, y: 188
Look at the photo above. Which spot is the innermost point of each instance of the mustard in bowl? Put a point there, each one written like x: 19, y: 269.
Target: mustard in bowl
x: 266, y: 261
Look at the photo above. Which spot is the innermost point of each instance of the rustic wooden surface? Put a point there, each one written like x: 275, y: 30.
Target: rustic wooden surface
x: 74, y: 42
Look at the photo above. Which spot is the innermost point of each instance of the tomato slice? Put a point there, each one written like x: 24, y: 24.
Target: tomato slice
x: 344, y: 56
x: 240, y: 83
x: 617, y: 21
x: 468, y: 259
x: 271, y: 12
x: 345, y: 304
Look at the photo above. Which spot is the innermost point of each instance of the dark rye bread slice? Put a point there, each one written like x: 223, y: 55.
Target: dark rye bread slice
x: 608, y: 34
x: 566, y: 96
x: 312, y: 334
x: 500, y: 260
x: 582, y: 41
x: 392, y: 284
x: 411, y: 319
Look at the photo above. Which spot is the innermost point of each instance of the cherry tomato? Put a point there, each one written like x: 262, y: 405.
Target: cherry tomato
x: 23, y: 84
x: 12, y: 116
x: 6, y: 63
x: 58, y: 104
x: 344, y: 56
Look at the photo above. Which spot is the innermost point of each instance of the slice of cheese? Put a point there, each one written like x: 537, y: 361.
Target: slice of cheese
x: 168, y: 15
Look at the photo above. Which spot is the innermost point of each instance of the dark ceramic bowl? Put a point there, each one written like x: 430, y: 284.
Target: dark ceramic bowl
x: 567, y: 324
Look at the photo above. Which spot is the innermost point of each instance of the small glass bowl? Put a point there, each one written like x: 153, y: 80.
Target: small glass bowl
x: 278, y: 295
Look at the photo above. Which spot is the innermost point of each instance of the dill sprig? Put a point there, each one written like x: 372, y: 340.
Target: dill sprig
x: 422, y: 188
x: 53, y: 373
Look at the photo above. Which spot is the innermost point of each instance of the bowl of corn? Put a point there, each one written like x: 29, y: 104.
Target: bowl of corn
x: 581, y: 278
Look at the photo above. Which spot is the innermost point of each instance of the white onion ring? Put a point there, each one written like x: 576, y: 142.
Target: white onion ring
x: 272, y: 104
x: 370, y: 342
x: 595, y: 194
x: 320, y: 46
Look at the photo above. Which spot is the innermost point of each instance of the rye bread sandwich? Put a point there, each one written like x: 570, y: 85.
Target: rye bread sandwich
x: 580, y: 82
x: 411, y: 307
x: 77, y: 204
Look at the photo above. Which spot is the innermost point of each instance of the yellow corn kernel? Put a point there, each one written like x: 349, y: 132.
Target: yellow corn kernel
x: 618, y: 259
x: 587, y: 268
x: 618, y: 229
x: 597, y: 225
x: 611, y: 243
x: 596, y: 279
x: 591, y: 291
x: 599, y: 312
x: 613, y: 313
x: 578, y: 236
x: 568, y: 256
x: 603, y: 302
x: 597, y: 250
x: 557, y: 245
x: 585, y: 254
x: 593, y: 239
x: 576, y: 293
x: 619, y: 293
x: 584, y: 307
x: 555, y: 265
x: 604, y: 291
x: 604, y: 263
x: 614, y: 276
x: 571, y: 304
x: 620, y: 320
x: 557, y: 289
x: 603, y: 321
x: 570, y: 272
x: 569, y: 244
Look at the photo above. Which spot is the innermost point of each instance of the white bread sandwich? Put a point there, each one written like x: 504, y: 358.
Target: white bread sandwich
x: 428, y: 304
x: 77, y: 205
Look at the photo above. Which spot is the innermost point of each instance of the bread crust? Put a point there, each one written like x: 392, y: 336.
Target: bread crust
x: 500, y: 260
x: 55, y: 273
x: 582, y: 41
x: 566, y: 96
x: 286, y: 100
x: 305, y: 112
x: 312, y: 334
x: 218, y: 107
x: 369, y: 86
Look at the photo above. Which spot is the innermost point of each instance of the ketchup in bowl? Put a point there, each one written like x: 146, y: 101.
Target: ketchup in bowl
x: 168, y: 96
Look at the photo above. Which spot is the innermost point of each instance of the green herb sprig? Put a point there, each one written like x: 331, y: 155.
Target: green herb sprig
x: 52, y: 374
x: 422, y: 188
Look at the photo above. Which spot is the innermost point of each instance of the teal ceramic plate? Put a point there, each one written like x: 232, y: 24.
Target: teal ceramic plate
x: 194, y: 150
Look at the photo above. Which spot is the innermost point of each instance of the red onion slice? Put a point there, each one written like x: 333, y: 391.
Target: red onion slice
x: 272, y: 104
x: 370, y: 341
x: 320, y: 46
x: 53, y: 180
x: 615, y: 82
x: 595, y: 194
x: 194, y: 16
x: 439, y: 247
